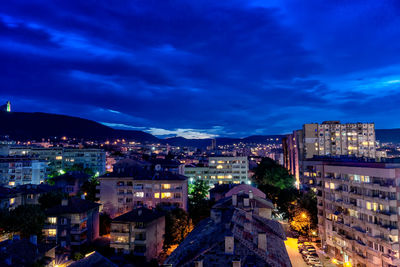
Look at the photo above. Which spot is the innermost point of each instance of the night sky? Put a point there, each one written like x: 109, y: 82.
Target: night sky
x: 204, y: 68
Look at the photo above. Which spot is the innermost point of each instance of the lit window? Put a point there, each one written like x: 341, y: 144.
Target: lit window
x: 52, y: 220
x: 139, y: 194
x: 52, y: 232
x: 166, y: 195
x: 368, y: 205
x: 12, y: 201
x: 156, y: 195
x: 220, y: 167
x: 166, y: 186
x: 11, y: 183
x: 58, y: 157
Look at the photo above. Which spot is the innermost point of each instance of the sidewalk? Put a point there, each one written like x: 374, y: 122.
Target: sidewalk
x: 326, y: 262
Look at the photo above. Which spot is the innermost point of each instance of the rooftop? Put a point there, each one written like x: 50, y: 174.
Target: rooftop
x: 74, y: 205
x: 139, y: 215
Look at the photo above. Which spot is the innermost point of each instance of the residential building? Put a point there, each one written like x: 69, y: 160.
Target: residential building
x: 71, y: 182
x: 140, y: 231
x: 226, y: 190
x: 73, y: 223
x: 59, y: 158
x: 358, y: 211
x: 221, y: 170
x: 328, y: 139
x: 131, y: 185
x: 239, y: 232
x: 16, y: 171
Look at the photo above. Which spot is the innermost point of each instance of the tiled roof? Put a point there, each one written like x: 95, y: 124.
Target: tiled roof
x: 139, y: 215
x: 93, y: 260
x: 75, y: 205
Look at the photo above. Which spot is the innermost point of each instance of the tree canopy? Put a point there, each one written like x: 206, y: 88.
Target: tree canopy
x: 25, y: 219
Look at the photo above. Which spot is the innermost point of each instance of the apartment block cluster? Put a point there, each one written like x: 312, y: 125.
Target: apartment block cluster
x: 221, y: 170
x: 30, y: 165
x: 357, y: 190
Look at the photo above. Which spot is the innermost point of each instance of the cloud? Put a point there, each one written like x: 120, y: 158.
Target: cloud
x: 182, y: 67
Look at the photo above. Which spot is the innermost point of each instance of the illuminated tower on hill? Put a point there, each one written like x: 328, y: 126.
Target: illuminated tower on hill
x: 6, y: 107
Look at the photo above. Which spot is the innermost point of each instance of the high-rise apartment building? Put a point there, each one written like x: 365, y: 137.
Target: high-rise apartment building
x: 328, y: 139
x: 358, y: 211
x: 331, y: 138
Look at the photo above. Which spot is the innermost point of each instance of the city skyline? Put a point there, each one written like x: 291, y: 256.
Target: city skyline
x: 203, y: 69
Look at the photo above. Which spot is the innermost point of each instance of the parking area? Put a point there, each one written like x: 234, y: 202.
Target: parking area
x: 305, y: 254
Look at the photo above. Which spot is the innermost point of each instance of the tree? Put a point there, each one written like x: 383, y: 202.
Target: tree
x: 276, y: 182
x: 52, y: 199
x: 177, y: 226
x: 89, y: 188
x: 26, y: 219
x: 268, y: 172
x: 199, y: 205
x: 301, y: 221
x: 198, y: 191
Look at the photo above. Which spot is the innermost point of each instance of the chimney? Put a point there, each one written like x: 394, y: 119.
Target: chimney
x: 246, y: 202
x: 262, y: 241
x: 64, y: 202
x: 33, y: 239
x: 236, y: 263
x: 229, y: 244
x: 251, y: 195
x: 198, y: 263
x: 234, y: 200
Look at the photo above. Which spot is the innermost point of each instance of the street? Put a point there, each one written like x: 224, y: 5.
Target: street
x: 294, y: 254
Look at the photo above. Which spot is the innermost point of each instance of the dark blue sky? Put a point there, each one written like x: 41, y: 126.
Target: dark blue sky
x: 200, y: 68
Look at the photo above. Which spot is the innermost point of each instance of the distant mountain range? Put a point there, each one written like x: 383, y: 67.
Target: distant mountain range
x: 35, y: 126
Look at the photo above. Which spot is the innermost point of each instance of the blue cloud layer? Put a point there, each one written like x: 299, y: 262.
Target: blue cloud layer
x: 231, y: 68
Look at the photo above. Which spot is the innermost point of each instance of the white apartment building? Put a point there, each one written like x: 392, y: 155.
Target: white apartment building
x: 63, y: 158
x: 16, y: 171
x: 221, y: 170
x: 358, y: 212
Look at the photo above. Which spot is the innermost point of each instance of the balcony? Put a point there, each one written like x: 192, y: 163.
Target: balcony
x: 78, y: 230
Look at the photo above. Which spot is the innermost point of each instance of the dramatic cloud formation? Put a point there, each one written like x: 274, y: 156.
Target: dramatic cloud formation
x: 204, y: 68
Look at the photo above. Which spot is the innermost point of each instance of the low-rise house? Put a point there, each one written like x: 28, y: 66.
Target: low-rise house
x: 239, y: 232
x: 140, y: 231
x: 132, y: 186
x: 71, y: 182
x: 30, y: 193
x: 9, y: 198
x: 73, y: 223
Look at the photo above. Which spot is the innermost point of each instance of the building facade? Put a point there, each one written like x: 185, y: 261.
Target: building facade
x: 133, y: 186
x: 73, y: 223
x: 16, y: 171
x: 140, y: 231
x: 59, y: 158
x: 221, y: 170
x: 358, y: 212
x: 328, y: 139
